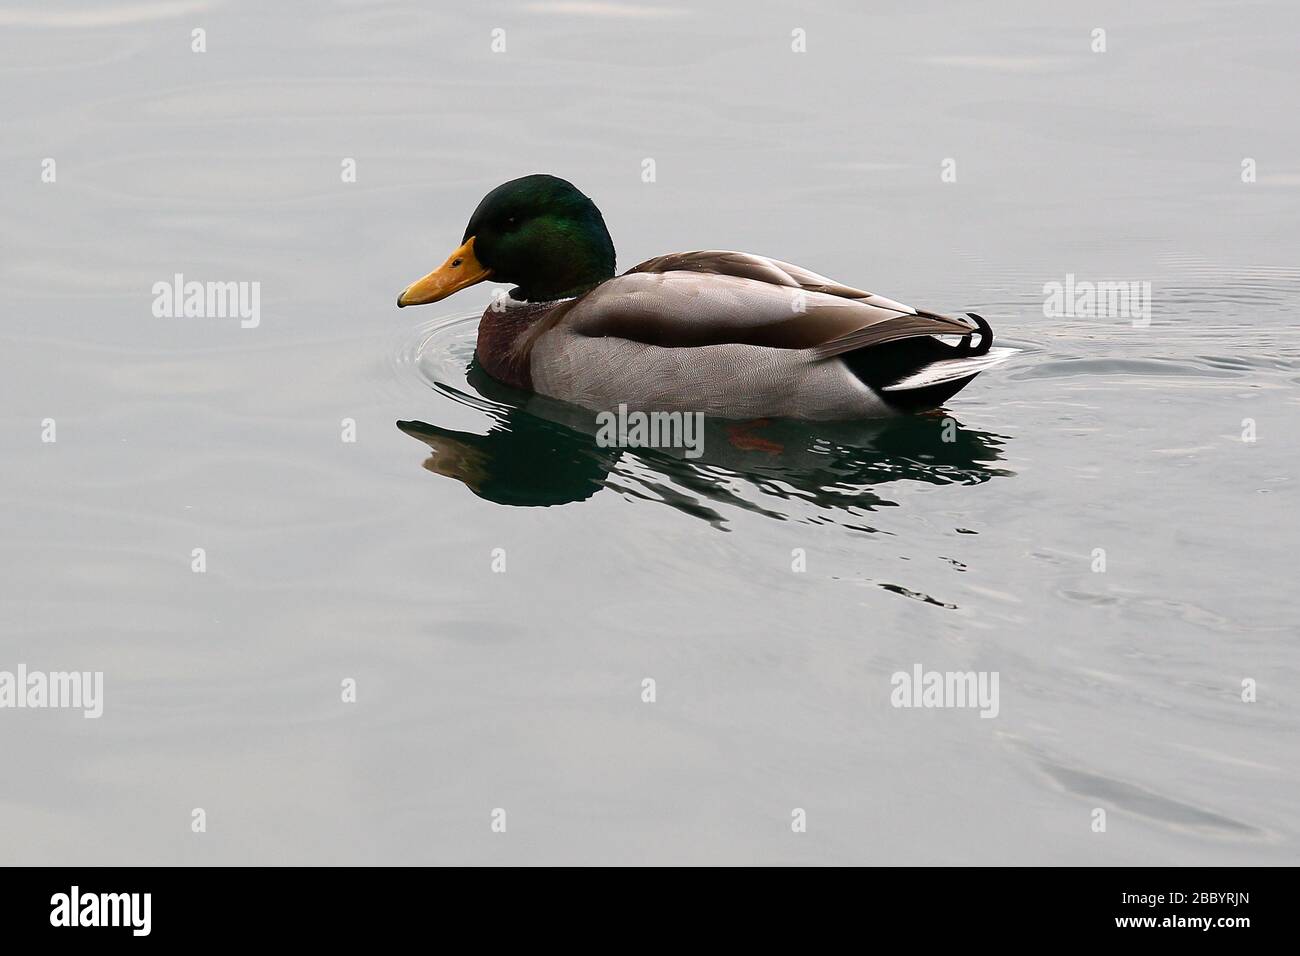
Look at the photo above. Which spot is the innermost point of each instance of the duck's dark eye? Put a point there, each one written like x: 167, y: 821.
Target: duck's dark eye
x: 510, y: 222
x: 456, y: 262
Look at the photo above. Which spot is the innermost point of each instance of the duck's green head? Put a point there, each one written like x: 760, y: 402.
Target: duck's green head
x: 538, y: 233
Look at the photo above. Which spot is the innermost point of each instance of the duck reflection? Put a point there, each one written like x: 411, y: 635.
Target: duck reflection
x: 541, y: 452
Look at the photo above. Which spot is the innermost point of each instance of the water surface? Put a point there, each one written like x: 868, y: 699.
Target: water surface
x: 373, y: 559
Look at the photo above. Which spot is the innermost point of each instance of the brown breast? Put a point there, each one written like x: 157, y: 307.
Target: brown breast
x: 506, y: 336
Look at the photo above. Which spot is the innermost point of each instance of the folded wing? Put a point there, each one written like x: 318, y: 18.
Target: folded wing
x: 693, y: 299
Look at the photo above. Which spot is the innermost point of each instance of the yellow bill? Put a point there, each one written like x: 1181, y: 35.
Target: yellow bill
x: 460, y: 271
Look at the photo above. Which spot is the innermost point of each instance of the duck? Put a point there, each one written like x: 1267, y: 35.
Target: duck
x: 727, y: 334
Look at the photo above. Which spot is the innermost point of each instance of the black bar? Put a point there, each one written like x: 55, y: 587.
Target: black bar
x: 333, y: 906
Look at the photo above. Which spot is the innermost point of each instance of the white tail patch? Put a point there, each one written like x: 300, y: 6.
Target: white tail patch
x: 946, y: 370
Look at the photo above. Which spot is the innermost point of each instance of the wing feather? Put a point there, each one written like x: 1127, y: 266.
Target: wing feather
x: 718, y: 297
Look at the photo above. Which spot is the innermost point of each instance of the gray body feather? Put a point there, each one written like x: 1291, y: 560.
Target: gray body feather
x: 732, y: 335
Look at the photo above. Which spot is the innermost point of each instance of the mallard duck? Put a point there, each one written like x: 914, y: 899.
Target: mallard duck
x: 728, y: 334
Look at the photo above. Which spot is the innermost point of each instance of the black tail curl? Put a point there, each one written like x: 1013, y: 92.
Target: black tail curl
x: 984, y: 331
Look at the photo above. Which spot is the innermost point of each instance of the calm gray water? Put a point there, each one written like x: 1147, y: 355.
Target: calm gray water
x: 329, y: 560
